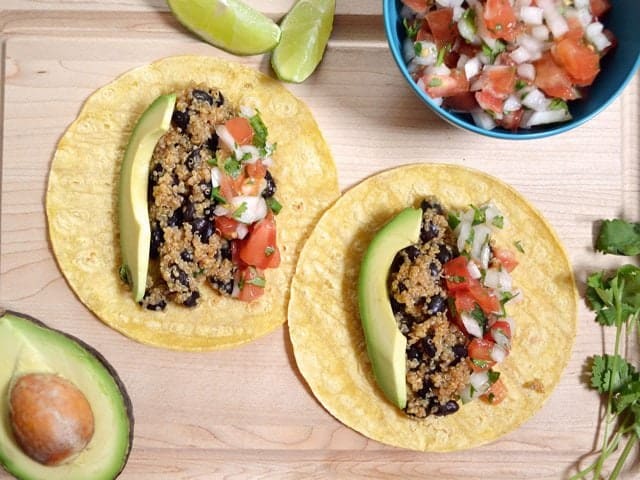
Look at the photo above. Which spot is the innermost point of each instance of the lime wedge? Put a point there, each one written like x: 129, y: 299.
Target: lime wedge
x: 228, y: 24
x: 305, y: 33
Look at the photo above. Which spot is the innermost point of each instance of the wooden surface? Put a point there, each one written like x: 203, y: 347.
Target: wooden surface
x: 247, y: 413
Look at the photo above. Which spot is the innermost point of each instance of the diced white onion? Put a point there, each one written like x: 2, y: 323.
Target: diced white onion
x: 255, y: 208
x: 584, y: 16
x: 512, y: 325
x: 438, y: 70
x: 581, y: 3
x: 594, y: 34
x: 483, y: 119
x: 471, y: 325
x: 247, y: 111
x: 540, y: 33
x: 491, y: 278
x: 216, y: 177
x: 536, y: 100
x: 225, y: 136
x: 474, y: 270
x: 485, y: 256
x: 236, y: 289
x: 555, y: 21
x: 221, y: 211
x: 463, y: 235
x: 498, y: 354
x: 472, y: 67
x: 267, y: 162
x: 242, y: 230
x: 458, y: 11
x: 408, y: 50
x: 547, y: 116
x: 505, y: 280
x: 490, y: 213
x: 531, y: 15
x: 467, y: 31
x: 521, y: 55
x: 501, y: 339
x: 526, y: 71
x: 511, y: 104
x: 480, y: 238
x: 479, y: 381
x: 251, y: 150
x: 533, y: 45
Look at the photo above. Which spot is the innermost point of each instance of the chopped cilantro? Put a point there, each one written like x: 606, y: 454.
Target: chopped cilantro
x: 435, y: 82
x: 217, y: 196
x: 260, y: 131
x: 442, y: 53
x: 518, y: 245
x: 498, y: 221
x: 237, y: 213
x: 256, y: 279
x: 479, y: 315
x: 520, y: 84
x: 232, y: 167
x: 558, y: 104
x: 493, y: 376
x: 492, y: 53
x: 274, y: 205
x: 470, y: 238
x: 456, y: 279
x: 480, y: 363
x: 417, y: 48
x: 269, y: 251
x: 479, y: 215
x: 411, y: 28
x: 124, y: 273
x: 453, y: 220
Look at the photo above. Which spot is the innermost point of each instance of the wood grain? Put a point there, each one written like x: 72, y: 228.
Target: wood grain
x: 247, y: 413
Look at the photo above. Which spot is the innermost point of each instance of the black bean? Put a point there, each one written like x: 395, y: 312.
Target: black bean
x: 448, y: 408
x: 431, y: 205
x: 460, y: 351
x: 429, y: 231
x: 175, y: 219
x: 193, y: 159
x: 186, y: 255
x: 219, y: 100
x: 427, y: 387
x: 157, y: 237
x: 429, y: 348
x: 412, y: 252
x: 192, y: 300
x: 414, y: 352
x: 205, y: 188
x: 225, y: 251
x: 180, y: 275
x: 203, y: 228
x: 208, y: 212
x: 445, y: 254
x: 180, y: 119
x: 398, y: 260
x: 437, y: 304
x: 221, y: 286
x: 212, y: 142
x: 402, y: 287
x: 396, y: 306
x: 188, y: 211
x: 434, y: 269
x: 156, y: 307
x: 202, y: 96
x: 270, y: 189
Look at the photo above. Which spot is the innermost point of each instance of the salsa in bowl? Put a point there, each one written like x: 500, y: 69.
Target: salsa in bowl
x: 514, y: 69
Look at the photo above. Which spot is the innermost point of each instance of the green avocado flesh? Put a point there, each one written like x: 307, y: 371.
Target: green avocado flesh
x: 386, y: 345
x: 133, y: 215
x: 28, y: 346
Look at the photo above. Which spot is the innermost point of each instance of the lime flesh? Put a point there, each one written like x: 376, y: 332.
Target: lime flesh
x: 228, y: 24
x: 305, y: 33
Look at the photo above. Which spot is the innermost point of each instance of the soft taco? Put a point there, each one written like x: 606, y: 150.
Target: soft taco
x: 82, y: 200
x: 329, y: 341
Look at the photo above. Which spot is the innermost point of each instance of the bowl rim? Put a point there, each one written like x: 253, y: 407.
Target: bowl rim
x: 396, y: 53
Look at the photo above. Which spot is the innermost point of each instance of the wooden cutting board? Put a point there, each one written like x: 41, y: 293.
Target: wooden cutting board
x: 247, y: 413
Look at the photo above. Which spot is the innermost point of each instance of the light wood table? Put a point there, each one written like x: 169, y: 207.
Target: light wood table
x: 247, y: 412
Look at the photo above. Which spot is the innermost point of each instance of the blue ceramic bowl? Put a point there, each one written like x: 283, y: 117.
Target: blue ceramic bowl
x: 617, y: 69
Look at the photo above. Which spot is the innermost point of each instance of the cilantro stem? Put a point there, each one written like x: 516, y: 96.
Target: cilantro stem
x: 613, y: 444
x: 623, y: 456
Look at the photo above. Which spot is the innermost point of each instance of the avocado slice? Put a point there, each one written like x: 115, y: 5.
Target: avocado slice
x: 133, y: 214
x: 386, y: 345
x: 29, y: 346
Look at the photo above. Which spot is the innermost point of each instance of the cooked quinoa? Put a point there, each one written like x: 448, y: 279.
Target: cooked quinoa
x: 185, y: 246
x: 436, y: 347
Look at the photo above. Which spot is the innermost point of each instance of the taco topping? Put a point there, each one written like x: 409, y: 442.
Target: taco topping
x: 211, y: 202
x: 448, y: 293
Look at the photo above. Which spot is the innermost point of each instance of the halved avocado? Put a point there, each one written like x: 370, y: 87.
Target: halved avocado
x: 386, y: 345
x: 29, y: 346
x: 133, y: 214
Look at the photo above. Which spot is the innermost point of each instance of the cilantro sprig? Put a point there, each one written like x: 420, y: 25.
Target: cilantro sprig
x: 615, y: 299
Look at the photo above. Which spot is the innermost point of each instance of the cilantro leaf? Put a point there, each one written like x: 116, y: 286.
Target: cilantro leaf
x: 618, y: 237
x: 411, y: 28
x: 453, y: 220
x: 232, y: 167
x: 274, y: 205
x: 237, y: 213
x: 260, y: 131
x: 610, y: 373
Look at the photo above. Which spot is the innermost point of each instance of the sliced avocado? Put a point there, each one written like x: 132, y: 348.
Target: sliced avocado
x: 29, y: 346
x: 386, y: 345
x: 133, y: 214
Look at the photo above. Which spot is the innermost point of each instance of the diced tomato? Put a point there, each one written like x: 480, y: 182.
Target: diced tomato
x: 575, y: 29
x: 227, y: 227
x: 488, y: 302
x: 240, y: 129
x: 488, y: 101
x: 500, y: 81
x: 511, y: 120
x: 227, y: 187
x: 251, y: 283
x: 442, y: 26
x: 259, y: 247
x: 553, y: 80
x: 424, y: 34
x: 457, y: 274
x: 416, y: 5
x: 580, y: 61
x: 256, y: 170
x: 496, y: 393
x: 438, y: 86
x: 462, y: 102
x: 500, y: 333
x: 464, y: 301
x: 500, y: 19
x: 506, y: 258
x: 599, y: 7
x: 480, y: 354
x: 612, y: 38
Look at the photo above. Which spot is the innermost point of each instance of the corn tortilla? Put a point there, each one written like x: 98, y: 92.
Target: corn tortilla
x: 327, y: 336
x: 82, y: 200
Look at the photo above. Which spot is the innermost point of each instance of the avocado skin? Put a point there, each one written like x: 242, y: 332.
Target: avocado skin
x: 98, y: 356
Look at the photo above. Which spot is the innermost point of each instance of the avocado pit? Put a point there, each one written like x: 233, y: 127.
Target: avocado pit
x: 50, y: 417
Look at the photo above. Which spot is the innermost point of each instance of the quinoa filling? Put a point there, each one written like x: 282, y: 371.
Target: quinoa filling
x: 193, y: 225
x: 436, y: 366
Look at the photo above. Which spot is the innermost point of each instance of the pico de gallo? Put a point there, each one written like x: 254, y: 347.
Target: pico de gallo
x: 479, y: 286
x: 508, y: 63
x: 212, y: 203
